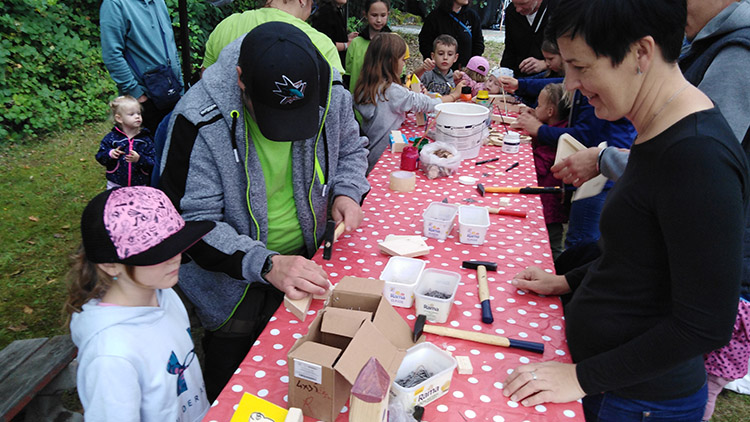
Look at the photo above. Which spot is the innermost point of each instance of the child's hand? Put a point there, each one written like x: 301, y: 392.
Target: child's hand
x: 116, y: 153
x: 458, y: 76
x: 428, y: 64
x: 133, y: 157
x: 529, y: 123
x: 351, y: 37
x: 460, y: 84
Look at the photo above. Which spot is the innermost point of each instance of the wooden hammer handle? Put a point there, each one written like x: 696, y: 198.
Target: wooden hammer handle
x: 484, y: 290
x: 485, y: 338
x: 339, y: 231
x: 467, y: 335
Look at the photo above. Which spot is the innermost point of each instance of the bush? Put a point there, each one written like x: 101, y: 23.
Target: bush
x: 51, y: 71
x: 50, y: 66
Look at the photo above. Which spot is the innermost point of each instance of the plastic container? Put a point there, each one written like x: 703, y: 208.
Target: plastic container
x: 434, y: 308
x: 435, y: 361
x: 438, y: 220
x: 473, y: 223
x: 463, y: 125
x: 401, y: 275
x: 511, y: 142
x: 466, y: 94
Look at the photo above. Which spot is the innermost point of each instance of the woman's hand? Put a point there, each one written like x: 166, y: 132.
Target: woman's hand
x: 536, y: 280
x: 578, y: 168
x: 509, y: 83
x: 546, y: 382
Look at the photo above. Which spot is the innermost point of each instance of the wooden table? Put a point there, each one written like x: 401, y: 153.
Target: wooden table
x: 514, y: 243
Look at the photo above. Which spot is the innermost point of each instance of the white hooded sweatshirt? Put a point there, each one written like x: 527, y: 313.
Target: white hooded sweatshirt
x: 138, y: 363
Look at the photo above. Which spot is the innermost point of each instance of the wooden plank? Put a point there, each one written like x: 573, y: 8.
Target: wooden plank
x: 36, y: 371
x: 16, y: 353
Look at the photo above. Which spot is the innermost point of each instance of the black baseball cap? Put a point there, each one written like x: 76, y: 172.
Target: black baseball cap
x: 286, y: 79
x: 136, y: 225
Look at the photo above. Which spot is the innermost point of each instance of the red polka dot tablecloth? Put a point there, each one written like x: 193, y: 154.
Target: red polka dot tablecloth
x: 513, y: 243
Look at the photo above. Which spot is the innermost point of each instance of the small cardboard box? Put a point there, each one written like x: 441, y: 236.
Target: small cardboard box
x: 356, y: 324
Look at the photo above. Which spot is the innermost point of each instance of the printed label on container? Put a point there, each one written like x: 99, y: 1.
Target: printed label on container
x: 308, y: 371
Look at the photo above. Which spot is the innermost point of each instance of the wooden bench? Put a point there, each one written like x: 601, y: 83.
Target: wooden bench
x: 27, y: 366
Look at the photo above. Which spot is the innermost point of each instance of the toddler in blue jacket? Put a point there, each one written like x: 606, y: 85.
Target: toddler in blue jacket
x: 127, y: 151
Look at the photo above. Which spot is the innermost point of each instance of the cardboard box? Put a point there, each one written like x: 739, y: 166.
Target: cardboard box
x: 357, y: 323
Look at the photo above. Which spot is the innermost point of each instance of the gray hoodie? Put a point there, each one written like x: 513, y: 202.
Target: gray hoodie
x: 137, y: 363
x: 388, y: 114
x: 206, y: 181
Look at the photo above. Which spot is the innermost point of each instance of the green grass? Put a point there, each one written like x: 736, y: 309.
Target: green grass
x: 45, y: 184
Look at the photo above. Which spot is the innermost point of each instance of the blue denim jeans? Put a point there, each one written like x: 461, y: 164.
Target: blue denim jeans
x: 609, y: 408
x: 583, y: 223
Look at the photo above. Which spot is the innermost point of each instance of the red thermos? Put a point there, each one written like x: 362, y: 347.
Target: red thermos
x: 409, y: 157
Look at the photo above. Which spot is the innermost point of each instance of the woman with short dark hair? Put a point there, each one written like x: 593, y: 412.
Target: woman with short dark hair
x: 664, y: 291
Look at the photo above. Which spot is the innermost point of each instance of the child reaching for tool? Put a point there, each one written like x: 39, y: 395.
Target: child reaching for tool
x: 127, y: 151
x: 381, y: 99
x: 135, y: 352
x: 474, y: 74
x: 376, y: 13
x: 552, y: 110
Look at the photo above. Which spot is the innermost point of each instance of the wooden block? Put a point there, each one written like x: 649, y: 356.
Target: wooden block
x: 298, y: 307
x: 490, y: 166
x: 464, y: 365
x: 399, y: 141
x: 404, y: 247
x: 294, y: 415
x: 504, y: 201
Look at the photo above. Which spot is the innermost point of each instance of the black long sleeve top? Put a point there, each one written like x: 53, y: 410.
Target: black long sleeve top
x: 523, y: 40
x: 464, y: 26
x: 665, y: 289
x: 330, y: 20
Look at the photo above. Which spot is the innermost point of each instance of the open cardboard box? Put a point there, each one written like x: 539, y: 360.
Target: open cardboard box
x: 356, y: 324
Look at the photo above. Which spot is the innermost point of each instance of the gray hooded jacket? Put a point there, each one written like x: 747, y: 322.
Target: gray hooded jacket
x: 206, y: 181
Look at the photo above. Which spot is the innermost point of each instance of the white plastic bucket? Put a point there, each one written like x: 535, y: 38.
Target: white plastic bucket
x: 436, y: 309
x: 401, y: 275
x: 473, y: 223
x: 463, y: 125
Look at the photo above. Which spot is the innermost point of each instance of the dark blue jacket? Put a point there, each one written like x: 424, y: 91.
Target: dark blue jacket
x: 120, y: 171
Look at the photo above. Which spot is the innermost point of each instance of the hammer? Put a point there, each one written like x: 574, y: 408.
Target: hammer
x: 484, y: 291
x: 332, y: 234
x: 421, y: 327
x: 529, y: 189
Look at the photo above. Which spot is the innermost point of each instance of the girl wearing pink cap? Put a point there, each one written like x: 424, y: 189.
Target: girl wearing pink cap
x: 474, y: 74
x: 135, y: 352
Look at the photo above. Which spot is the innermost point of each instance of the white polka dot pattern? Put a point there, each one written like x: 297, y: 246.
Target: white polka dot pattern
x: 513, y: 243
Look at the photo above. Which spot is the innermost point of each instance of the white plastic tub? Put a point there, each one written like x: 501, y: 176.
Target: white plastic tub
x: 434, y: 361
x: 434, y: 308
x: 401, y: 275
x: 473, y: 223
x: 438, y: 220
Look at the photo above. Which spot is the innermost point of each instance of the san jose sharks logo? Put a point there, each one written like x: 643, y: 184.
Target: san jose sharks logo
x: 175, y: 367
x: 289, y: 91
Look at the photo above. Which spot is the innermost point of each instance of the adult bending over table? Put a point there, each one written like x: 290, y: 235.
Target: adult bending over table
x: 259, y: 147
x: 664, y: 291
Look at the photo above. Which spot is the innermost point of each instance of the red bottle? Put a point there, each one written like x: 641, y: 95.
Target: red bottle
x: 409, y: 157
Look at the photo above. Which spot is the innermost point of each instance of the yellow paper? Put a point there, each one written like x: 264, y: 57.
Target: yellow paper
x: 253, y: 408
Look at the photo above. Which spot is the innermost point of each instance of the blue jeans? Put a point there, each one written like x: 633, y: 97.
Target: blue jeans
x: 583, y: 223
x: 608, y: 407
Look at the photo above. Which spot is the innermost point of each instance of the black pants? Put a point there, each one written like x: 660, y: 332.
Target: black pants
x: 152, y: 116
x: 226, y: 347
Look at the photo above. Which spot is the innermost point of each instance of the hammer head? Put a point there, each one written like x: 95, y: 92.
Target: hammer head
x: 418, y: 327
x: 329, y: 239
x: 489, y: 266
x: 480, y: 189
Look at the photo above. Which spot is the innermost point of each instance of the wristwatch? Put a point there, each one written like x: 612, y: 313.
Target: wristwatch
x: 267, y: 266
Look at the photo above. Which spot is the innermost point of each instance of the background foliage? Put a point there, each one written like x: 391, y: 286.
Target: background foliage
x: 51, y: 73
